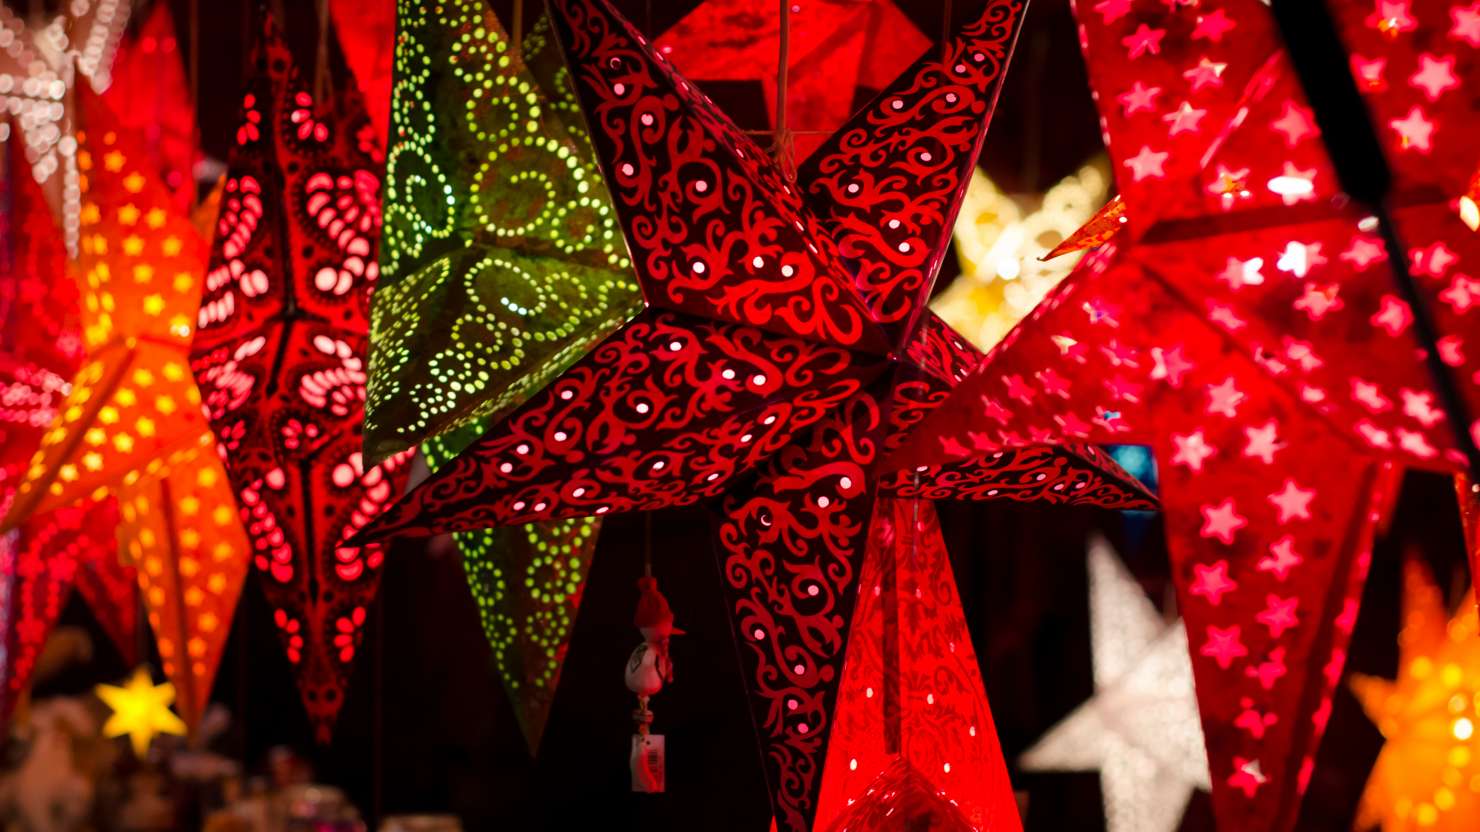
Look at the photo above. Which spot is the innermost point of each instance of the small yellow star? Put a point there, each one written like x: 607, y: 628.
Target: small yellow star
x: 141, y: 710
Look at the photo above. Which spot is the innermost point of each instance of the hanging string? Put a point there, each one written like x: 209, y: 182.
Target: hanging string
x: 519, y: 29
x: 321, y: 68
x: 647, y: 544
x: 193, y: 26
x: 781, y: 147
x: 945, y: 34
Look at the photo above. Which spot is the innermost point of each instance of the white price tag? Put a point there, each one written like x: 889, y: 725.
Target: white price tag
x: 648, y: 763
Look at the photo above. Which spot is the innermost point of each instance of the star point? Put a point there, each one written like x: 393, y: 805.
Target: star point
x: 141, y: 710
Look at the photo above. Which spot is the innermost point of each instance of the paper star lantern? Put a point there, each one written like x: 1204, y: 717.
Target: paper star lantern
x: 1428, y: 718
x: 912, y: 689
x: 1233, y: 226
x: 39, y: 69
x: 1140, y: 730
x: 131, y: 424
x: 527, y: 582
x: 367, y: 36
x: 280, y: 357
x: 758, y: 369
x: 40, y: 564
x: 141, y: 711
x: 1001, y: 240
x: 150, y: 97
x: 834, y: 48
x: 40, y: 349
x: 503, y: 260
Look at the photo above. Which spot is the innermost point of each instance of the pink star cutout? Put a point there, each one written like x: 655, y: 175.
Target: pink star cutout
x: 1414, y: 131
x: 1018, y: 389
x: 1299, y: 258
x: 1184, y: 119
x: 1263, y: 442
x: 1435, y: 75
x: 1205, y: 74
x: 1212, y: 27
x: 1393, y: 316
x: 1282, y: 557
x: 1224, y: 399
x: 1144, y: 41
x: 1212, y: 582
x: 1278, y: 614
x: 1171, y: 366
x: 993, y: 410
x: 1295, y: 122
x: 1420, y: 406
x: 1270, y: 670
x: 1052, y: 383
x: 1246, y: 776
x: 1222, y: 521
x: 1416, y: 444
x: 1239, y: 273
x: 1139, y: 97
x: 1392, y: 17
x: 1466, y: 24
x: 1463, y: 293
x: 1368, y: 72
x: 1223, y: 646
x: 1433, y: 261
x: 1363, y: 252
x: 1292, y: 502
x: 1192, y: 450
x: 1318, y: 301
x: 1370, y: 396
x: 1147, y: 163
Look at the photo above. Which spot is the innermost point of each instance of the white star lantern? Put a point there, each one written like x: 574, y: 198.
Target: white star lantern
x: 1140, y: 730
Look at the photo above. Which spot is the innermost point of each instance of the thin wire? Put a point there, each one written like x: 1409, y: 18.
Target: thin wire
x: 519, y: 29
x: 647, y: 544
x: 945, y: 33
x: 321, y: 68
x: 781, y: 147
x: 193, y: 16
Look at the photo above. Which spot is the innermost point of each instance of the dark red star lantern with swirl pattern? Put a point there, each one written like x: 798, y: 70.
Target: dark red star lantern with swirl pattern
x: 1282, y: 374
x: 784, y: 348
x: 835, y: 48
x: 279, y: 356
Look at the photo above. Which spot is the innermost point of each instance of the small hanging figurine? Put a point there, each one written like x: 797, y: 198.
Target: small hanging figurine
x: 648, y: 668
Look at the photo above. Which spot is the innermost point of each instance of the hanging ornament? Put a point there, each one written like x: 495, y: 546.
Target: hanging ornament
x: 912, y: 690
x: 690, y: 401
x: 503, y: 260
x: 141, y: 711
x: 131, y: 423
x: 280, y: 358
x: 835, y: 50
x: 1140, y: 730
x: 1428, y: 716
x: 649, y: 668
x: 1001, y: 241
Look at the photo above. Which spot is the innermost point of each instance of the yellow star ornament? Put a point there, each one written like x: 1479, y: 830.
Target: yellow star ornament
x: 1428, y: 774
x: 141, y: 710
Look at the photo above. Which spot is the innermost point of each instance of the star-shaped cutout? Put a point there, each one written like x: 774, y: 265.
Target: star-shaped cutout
x: 1224, y: 645
x: 1222, y: 521
x: 1192, y: 450
x: 1291, y: 501
x: 141, y: 711
x: 1139, y: 98
x: 1147, y: 163
x: 1141, y: 729
x: 1296, y: 123
x: 1184, y: 119
x: 1144, y: 41
x: 1415, y: 132
x: 1434, y: 76
x: 1212, y: 27
x: 1207, y: 73
x: 1212, y: 582
x: 1465, y: 22
x: 1282, y: 558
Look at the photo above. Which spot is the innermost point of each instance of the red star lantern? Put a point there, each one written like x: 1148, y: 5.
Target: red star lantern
x: 834, y: 48
x: 40, y: 349
x: 761, y: 370
x: 903, y: 798
x: 280, y: 358
x: 150, y: 97
x: 1238, y: 228
x: 912, y: 689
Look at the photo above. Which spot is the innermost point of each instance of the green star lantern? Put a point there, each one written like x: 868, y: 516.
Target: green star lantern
x: 501, y: 264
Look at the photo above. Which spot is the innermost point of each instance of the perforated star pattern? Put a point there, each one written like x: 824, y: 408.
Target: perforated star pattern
x: 758, y: 370
x: 503, y: 261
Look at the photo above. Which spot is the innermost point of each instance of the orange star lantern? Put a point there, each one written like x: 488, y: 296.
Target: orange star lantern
x: 1428, y: 772
x: 132, y: 426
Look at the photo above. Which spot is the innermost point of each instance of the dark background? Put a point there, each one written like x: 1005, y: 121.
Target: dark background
x: 426, y: 726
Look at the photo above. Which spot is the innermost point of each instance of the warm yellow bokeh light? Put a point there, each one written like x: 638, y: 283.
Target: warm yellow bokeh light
x: 141, y: 711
